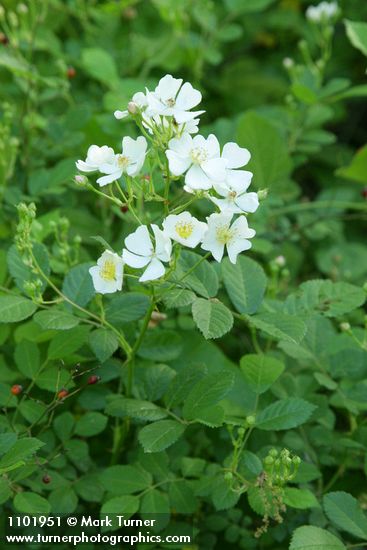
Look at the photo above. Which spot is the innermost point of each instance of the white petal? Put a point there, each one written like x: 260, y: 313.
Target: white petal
x: 105, y: 180
x: 168, y: 87
x: 84, y: 167
x: 238, y: 180
x: 226, y: 205
x: 120, y: 114
x: 236, y: 156
x: 155, y: 270
x: 242, y: 228
x: 187, y: 97
x: 140, y: 242
x: 211, y: 244
x: 134, y: 260
x: 185, y: 116
x: 213, y: 147
x: 134, y: 148
x: 177, y: 164
x: 197, y: 179
x: 182, y: 146
x: 215, y: 169
x: 163, y: 245
x: 237, y: 246
x: 248, y: 202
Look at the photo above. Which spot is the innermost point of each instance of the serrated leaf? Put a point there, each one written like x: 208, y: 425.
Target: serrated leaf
x: 206, y: 393
x: 178, y: 297
x: 91, y: 423
x: 182, y: 384
x: 203, y: 279
x: 15, y: 308
x: 300, y: 498
x: 345, y: 512
x: 67, y: 342
x: 78, y: 285
x: 135, y: 408
x: 125, y: 479
x: 160, y: 345
x: 21, y: 450
x: 308, y: 537
x: 245, y: 283
x: 31, y: 503
x: 283, y: 327
x: 104, y: 343
x: 160, y: 435
x: 212, y: 317
x: 126, y: 505
x: 55, y: 319
x: 126, y: 308
x: 260, y: 371
x: 285, y: 414
x: 27, y: 358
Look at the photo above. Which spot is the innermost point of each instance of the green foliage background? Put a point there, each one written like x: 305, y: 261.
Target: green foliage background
x: 274, y: 346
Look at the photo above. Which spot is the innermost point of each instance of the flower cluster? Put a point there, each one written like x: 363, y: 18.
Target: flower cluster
x: 324, y: 12
x: 166, y: 119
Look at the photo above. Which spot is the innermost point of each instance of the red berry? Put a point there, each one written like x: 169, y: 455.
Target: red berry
x: 16, y: 389
x: 364, y: 193
x: 71, y: 72
x: 62, y: 393
x: 93, y: 379
x: 124, y: 209
x: 46, y: 479
x: 4, y: 39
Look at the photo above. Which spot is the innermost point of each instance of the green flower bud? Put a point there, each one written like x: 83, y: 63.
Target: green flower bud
x: 250, y: 420
x: 273, y: 453
x: 268, y: 460
x: 228, y: 476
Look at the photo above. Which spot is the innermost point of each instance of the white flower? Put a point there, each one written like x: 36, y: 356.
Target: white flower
x: 139, y: 100
x: 221, y: 233
x: 185, y: 229
x: 162, y: 123
x: 199, y: 157
x: 96, y: 156
x: 140, y: 252
x: 107, y: 275
x: 323, y: 12
x: 130, y: 161
x: 171, y: 98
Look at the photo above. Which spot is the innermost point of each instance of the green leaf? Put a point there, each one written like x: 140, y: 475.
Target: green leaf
x: 308, y: 537
x: 7, y: 441
x: 212, y: 317
x: 55, y: 319
x: 182, y: 498
x: 23, y: 273
x: 155, y: 502
x: 67, y: 342
x: 260, y: 371
x: 280, y: 326
x: 21, y: 450
x: 126, y: 308
x: 134, y: 408
x: 331, y: 299
x: 206, y: 393
x: 125, y: 479
x: 182, y: 384
x: 223, y: 495
x: 27, y: 358
x: 345, y: 512
x: 249, y: 6
x: 357, y: 34
x: 91, y: 423
x: 100, y: 65
x: 15, y: 308
x: 178, y: 297
x: 285, y: 414
x: 202, y: 279
x: 357, y: 169
x: 104, y: 343
x: 126, y: 505
x: 300, y: 498
x: 270, y: 161
x: 245, y: 283
x: 64, y: 425
x: 31, y: 503
x: 63, y: 500
x: 160, y: 345
x: 53, y: 378
x: 78, y: 285
x: 160, y: 435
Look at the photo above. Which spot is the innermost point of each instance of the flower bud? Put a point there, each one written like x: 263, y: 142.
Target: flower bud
x: 228, y: 476
x: 262, y: 194
x: 296, y: 460
x: 280, y: 261
x: 345, y: 327
x: 273, y: 453
x: 288, y: 63
x: 132, y: 107
x: 81, y: 180
x: 250, y: 420
x: 241, y: 432
x: 268, y: 460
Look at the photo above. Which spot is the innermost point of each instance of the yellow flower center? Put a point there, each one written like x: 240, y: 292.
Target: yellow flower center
x: 108, y: 271
x: 198, y: 155
x: 232, y: 195
x: 122, y: 161
x: 171, y: 102
x: 225, y: 234
x: 184, y: 229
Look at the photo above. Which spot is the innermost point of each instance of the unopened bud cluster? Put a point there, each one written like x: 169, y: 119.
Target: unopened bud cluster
x: 281, y: 467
